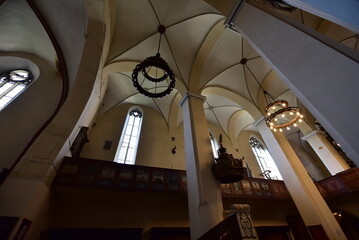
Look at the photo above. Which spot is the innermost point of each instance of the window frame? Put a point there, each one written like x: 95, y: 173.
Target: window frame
x: 264, y: 159
x: 9, y: 78
x: 214, y: 144
x: 130, y: 145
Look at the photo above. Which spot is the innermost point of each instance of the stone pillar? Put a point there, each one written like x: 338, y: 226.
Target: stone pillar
x: 326, y: 152
x: 204, y: 196
x: 311, y: 205
x: 311, y: 69
x: 245, y: 221
x: 344, y: 13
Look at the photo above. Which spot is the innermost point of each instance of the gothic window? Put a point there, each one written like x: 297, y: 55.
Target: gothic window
x: 214, y: 144
x: 12, y: 83
x: 265, y: 161
x: 127, y: 149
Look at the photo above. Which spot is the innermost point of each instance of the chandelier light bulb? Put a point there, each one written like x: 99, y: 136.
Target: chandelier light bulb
x: 279, y: 116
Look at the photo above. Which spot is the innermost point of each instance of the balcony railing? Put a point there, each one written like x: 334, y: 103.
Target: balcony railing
x: 102, y: 174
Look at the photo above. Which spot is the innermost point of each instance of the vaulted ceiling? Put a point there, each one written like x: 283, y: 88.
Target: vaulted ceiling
x: 205, y: 57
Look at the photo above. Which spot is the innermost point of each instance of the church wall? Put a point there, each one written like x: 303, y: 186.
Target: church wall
x: 246, y: 151
x: 309, y: 159
x: 155, y: 144
x: 156, y: 140
x: 24, y: 116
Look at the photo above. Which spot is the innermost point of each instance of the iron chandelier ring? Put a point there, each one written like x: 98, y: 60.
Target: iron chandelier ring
x: 157, y: 62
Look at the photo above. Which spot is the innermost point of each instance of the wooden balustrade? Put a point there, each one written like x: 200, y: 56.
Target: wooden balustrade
x: 102, y: 174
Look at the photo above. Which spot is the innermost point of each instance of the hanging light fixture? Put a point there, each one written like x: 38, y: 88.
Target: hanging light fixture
x: 153, y: 77
x: 279, y: 115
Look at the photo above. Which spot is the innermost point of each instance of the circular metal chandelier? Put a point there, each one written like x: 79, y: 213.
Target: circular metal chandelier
x: 153, y: 77
x: 278, y: 114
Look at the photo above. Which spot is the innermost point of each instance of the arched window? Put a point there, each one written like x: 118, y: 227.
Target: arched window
x: 127, y: 149
x: 12, y: 83
x: 266, y: 163
x: 214, y: 144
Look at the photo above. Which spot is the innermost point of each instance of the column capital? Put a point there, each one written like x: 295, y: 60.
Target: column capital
x: 190, y: 94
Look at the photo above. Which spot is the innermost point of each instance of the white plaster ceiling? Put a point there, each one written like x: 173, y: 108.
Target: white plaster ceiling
x: 199, y: 50
x: 202, y: 54
x: 22, y: 32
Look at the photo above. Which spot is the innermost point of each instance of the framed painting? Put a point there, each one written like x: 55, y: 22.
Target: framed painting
x: 158, y: 180
x: 107, y: 176
x: 247, y: 187
x: 142, y: 177
x: 173, y: 181
x: 184, y: 182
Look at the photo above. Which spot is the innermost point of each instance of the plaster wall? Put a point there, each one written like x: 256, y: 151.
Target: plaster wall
x: 308, y: 67
x: 70, y: 32
x: 35, y: 193
x: 156, y: 140
x: 25, y: 115
x: 155, y: 144
x: 344, y: 13
x: 246, y: 151
x: 309, y: 159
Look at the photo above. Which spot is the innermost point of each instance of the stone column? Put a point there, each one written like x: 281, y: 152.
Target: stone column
x: 313, y: 70
x: 302, y: 189
x: 326, y: 152
x: 204, y: 196
x: 344, y: 13
x: 246, y: 226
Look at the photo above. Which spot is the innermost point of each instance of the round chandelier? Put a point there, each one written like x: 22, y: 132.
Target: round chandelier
x: 153, y: 77
x: 280, y: 116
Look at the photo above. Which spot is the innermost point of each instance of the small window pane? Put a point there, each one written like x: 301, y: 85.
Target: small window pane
x: 130, y: 121
x: 15, y: 91
x: 5, y: 87
x: 137, y: 121
x: 4, y: 101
